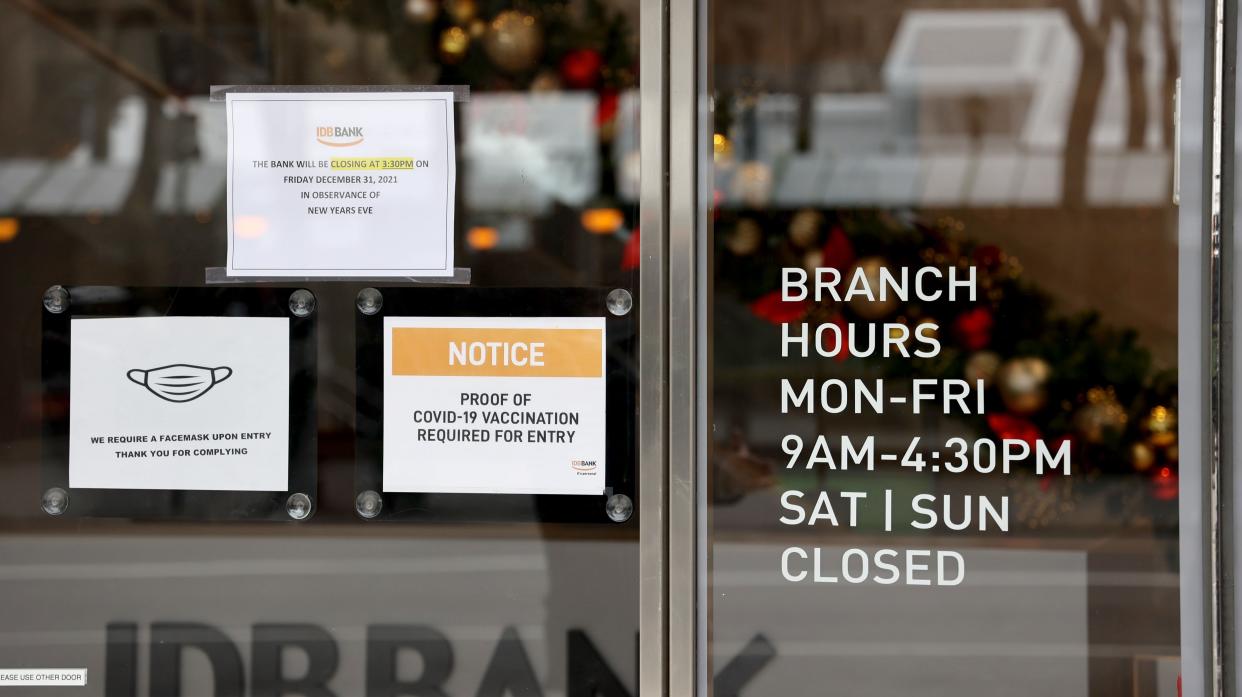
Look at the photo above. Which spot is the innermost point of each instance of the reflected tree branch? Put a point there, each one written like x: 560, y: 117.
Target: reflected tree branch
x: 1093, y: 43
x: 96, y: 50
x: 1133, y: 16
x: 1168, y: 39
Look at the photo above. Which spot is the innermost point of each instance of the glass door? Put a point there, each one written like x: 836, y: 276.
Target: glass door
x: 112, y: 173
x: 943, y: 375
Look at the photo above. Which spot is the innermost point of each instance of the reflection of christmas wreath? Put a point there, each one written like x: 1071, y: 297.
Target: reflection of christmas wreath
x: 1052, y: 377
x: 539, y: 45
x: 511, y: 45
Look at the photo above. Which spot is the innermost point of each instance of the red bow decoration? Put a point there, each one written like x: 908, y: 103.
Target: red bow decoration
x: 838, y: 352
x: 772, y: 308
x: 838, y: 253
x: 631, y: 254
x: 974, y: 328
x: 1016, y: 427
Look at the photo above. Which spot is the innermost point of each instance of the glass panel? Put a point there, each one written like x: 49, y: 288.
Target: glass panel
x: 1003, y: 173
x: 112, y: 171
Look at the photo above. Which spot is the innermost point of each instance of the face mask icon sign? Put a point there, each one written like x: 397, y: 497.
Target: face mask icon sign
x: 180, y: 382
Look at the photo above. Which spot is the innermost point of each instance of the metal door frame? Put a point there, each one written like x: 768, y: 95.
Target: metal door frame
x: 674, y: 282
x: 672, y: 321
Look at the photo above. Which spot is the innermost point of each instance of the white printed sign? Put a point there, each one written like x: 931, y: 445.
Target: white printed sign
x: 495, y: 405
x: 341, y: 184
x: 187, y: 403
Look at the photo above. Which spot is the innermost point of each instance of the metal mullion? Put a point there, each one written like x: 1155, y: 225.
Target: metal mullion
x: 1197, y: 515
x: 684, y: 344
x: 1225, y: 316
x: 706, y: 293
x: 1219, y: 231
x: 653, y: 350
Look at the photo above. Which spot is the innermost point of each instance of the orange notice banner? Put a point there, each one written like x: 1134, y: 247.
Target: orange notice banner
x: 509, y: 352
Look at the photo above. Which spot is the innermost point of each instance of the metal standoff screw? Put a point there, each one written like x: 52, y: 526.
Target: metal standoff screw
x: 301, y: 302
x: 619, y: 507
x: 55, y: 500
x: 620, y: 302
x: 56, y: 300
x: 368, y: 504
x: 298, y: 506
x: 369, y: 301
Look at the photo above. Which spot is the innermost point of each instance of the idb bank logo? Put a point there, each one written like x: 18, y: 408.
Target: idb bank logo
x: 339, y: 136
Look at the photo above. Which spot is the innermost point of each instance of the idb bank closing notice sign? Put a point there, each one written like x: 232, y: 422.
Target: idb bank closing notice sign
x: 340, y: 184
x: 497, y: 405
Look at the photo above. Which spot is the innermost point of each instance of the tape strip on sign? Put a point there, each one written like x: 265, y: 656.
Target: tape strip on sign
x: 498, y: 352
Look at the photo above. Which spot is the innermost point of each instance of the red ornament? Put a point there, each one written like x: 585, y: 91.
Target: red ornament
x: 838, y: 252
x: 837, y: 351
x: 580, y: 68
x: 1164, y: 484
x: 988, y: 256
x: 1016, y: 427
x: 631, y: 257
x: 773, y: 309
x: 974, y: 328
x: 607, y: 109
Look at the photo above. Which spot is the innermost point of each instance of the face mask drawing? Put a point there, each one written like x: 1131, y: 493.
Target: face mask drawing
x: 180, y: 383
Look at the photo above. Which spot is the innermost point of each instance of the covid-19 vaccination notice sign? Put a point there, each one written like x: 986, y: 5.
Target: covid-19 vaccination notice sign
x: 494, y: 405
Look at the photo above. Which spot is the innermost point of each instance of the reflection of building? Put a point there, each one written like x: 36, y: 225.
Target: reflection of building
x: 973, y: 110
x: 524, y: 153
x: 85, y: 185
x: 823, y: 46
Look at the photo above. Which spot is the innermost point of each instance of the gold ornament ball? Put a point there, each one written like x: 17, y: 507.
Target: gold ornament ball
x: 462, y: 11
x: 722, y: 148
x: 870, y: 267
x: 982, y: 365
x: 746, y: 238
x: 421, y: 11
x: 895, y: 332
x: 1161, y: 427
x: 1100, y: 415
x: 1022, y: 383
x: 454, y: 42
x: 804, y: 228
x: 926, y: 327
x: 1142, y: 457
x: 546, y: 81
x: 514, y: 41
